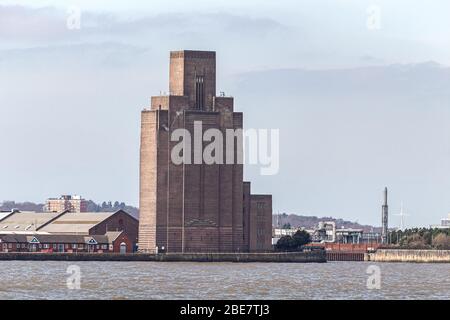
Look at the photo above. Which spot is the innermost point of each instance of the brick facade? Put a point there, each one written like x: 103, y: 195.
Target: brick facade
x: 257, y: 220
x: 68, y: 232
x: 66, y: 202
x: 191, y: 207
x: 111, y: 242
x: 119, y: 221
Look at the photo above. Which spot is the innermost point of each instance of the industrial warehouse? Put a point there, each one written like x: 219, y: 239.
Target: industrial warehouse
x: 99, y: 232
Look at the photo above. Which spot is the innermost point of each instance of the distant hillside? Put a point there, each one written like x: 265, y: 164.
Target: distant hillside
x: 109, y: 206
x: 310, y: 222
x: 23, y: 206
x: 92, y: 207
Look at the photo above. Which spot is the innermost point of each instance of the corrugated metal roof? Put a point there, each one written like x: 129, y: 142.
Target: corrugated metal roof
x: 4, y: 214
x: 25, y: 221
x: 76, y: 222
x: 21, y: 232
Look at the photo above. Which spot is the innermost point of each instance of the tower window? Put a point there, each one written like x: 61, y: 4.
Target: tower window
x: 199, y: 92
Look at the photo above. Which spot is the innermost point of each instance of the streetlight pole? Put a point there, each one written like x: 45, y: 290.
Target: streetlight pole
x: 184, y: 163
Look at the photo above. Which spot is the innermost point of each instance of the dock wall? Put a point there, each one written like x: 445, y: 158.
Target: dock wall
x: 302, y: 257
x: 346, y: 256
x: 407, y: 255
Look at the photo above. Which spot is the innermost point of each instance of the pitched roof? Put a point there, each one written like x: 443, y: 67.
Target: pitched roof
x: 29, y: 223
x: 2, y: 232
x: 25, y: 221
x: 75, y: 222
x: 4, y: 214
x: 113, y: 235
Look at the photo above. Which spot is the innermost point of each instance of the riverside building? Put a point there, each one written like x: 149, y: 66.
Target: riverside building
x: 199, y: 206
x: 68, y: 232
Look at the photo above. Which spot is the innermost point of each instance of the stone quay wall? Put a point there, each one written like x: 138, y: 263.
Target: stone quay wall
x: 297, y: 257
x: 407, y: 255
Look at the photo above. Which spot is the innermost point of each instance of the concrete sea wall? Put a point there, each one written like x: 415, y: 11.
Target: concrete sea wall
x: 406, y: 255
x: 298, y: 257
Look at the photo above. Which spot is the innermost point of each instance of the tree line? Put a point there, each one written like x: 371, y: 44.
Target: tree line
x: 421, y: 238
x: 415, y: 238
x: 293, y: 243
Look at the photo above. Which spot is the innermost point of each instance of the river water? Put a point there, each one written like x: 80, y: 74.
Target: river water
x: 184, y: 280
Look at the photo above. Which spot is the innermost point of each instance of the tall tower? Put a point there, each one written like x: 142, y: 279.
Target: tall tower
x: 193, y: 75
x: 384, y: 218
x: 191, y: 207
x: 196, y: 206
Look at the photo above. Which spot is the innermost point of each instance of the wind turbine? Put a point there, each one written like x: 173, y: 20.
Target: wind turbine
x: 402, y: 216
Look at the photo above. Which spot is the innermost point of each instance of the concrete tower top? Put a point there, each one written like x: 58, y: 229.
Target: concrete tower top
x: 192, y: 54
x: 193, y: 74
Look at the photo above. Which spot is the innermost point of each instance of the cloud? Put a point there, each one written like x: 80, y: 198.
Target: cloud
x: 93, y: 55
x: 41, y: 35
x: 371, y: 59
x: 22, y: 24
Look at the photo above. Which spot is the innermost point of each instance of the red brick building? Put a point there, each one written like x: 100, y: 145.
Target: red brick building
x: 257, y: 215
x: 196, y: 207
x: 66, y: 203
x: 68, y: 232
x: 93, y: 223
x: 116, y: 242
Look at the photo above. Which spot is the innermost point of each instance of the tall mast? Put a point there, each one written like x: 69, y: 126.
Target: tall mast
x: 384, y: 218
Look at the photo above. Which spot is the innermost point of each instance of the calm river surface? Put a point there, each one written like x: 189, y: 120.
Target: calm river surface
x: 160, y: 280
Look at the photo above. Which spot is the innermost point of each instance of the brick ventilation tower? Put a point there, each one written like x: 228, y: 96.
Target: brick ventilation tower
x: 195, y: 207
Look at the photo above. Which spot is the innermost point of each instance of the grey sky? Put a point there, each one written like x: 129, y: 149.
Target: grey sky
x: 70, y: 100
